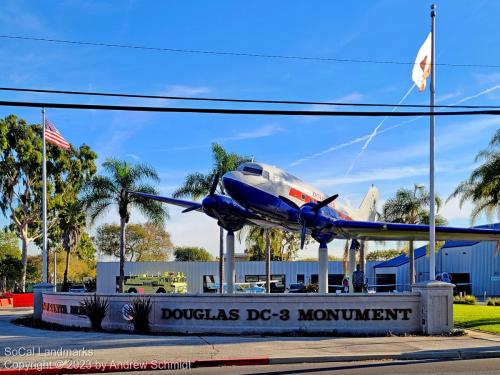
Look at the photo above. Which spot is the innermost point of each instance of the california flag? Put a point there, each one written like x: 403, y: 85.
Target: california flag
x: 422, y: 66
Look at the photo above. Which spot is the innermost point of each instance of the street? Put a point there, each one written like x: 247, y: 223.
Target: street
x: 473, y: 366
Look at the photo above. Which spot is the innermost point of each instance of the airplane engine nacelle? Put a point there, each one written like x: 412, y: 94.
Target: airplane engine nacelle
x: 229, y: 214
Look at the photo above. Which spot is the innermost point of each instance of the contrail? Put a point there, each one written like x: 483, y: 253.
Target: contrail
x: 374, y: 132
x: 365, y: 137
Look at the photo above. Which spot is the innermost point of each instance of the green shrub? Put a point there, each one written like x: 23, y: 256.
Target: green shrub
x: 493, y: 302
x: 466, y: 300
x: 95, y: 308
x: 139, y: 312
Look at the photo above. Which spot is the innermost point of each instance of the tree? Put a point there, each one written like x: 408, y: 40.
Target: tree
x: 192, y: 254
x: 12, y: 268
x: 9, y: 245
x: 198, y: 185
x: 105, y: 191
x: 72, y: 224
x: 85, y: 249
x: 144, y: 242
x: 380, y: 255
x: 411, y: 207
x: 21, y: 180
x: 284, y: 244
x: 483, y: 185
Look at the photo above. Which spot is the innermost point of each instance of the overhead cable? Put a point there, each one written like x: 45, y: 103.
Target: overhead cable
x: 235, y: 100
x: 240, y: 54
x: 225, y: 111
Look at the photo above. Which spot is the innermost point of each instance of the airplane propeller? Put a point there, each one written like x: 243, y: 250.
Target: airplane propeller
x: 308, y: 213
x: 215, y: 182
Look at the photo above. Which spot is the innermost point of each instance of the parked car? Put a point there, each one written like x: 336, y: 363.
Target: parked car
x: 78, y: 288
x: 297, y: 288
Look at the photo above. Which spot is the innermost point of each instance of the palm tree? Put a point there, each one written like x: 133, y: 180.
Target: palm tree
x: 411, y: 207
x: 198, y: 185
x: 483, y: 185
x: 102, y: 192
x: 72, y: 224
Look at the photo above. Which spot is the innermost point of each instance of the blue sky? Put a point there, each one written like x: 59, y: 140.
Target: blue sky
x: 177, y: 144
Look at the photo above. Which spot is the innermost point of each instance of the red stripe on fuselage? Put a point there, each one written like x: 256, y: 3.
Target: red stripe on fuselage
x: 306, y: 199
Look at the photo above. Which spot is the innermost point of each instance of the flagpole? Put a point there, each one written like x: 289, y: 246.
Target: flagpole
x: 432, y: 218
x: 44, y: 202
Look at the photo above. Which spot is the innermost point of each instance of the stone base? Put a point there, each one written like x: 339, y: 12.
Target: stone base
x: 436, y: 306
x: 38, y: 290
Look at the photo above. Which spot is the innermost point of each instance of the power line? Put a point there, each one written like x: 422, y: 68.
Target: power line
x: 234, y: 100
x: 240, y: 54
x: 224, y: 111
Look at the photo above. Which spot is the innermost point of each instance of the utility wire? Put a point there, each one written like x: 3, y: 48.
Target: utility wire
x: 245, y: 111
x: 241, y: 54
x: 234, y: 100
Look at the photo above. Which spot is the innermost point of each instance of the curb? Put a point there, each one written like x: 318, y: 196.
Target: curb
x: 163, y: 365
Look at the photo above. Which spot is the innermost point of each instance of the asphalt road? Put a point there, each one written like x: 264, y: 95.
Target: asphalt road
x: 472, y: 366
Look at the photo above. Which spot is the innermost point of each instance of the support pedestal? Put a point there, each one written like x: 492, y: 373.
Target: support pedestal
x: 323, y: 268
x: 230, y: 271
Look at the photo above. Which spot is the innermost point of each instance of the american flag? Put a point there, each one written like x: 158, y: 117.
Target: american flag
x: 53, y: 136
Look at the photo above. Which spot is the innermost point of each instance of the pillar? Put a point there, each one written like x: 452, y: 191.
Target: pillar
x: 38, y: 290
x: 436, y: 304
x: 352, y: 263
x: 323, y: 268
x: 230, y: 271
x: 268, y: 260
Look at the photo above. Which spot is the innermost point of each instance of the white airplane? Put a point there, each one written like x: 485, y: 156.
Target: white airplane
x: 269, y: 196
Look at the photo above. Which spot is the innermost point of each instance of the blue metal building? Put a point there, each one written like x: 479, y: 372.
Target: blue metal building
x: 473, y: 266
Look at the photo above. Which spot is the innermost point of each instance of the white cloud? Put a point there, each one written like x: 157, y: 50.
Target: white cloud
x: 262, y: 132
x: 185, y: 90
x: 452, y: 211
x: 134, y: 156
x: 394, y: 173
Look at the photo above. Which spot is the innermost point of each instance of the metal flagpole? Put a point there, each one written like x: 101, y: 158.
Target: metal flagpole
x: 44, y: 202
x: 432, y: 219
x: 55, y: 270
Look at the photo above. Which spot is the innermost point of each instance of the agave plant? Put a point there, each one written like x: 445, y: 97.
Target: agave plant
x: 95, y: 308
x: 139, y: 312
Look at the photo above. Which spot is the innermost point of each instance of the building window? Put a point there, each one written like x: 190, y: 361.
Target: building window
x: 209, y: 285
x: 301, y: 278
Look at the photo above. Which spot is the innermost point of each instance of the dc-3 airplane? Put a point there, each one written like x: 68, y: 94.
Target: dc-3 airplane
x: 269, y: 196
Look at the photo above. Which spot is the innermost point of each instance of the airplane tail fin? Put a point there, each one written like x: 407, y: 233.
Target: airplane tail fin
x: 367, y: 210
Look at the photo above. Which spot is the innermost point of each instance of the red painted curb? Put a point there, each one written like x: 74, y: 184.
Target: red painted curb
x: 142, y: 366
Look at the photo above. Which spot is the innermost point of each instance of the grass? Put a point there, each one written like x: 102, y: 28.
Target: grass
x: 484, y: 318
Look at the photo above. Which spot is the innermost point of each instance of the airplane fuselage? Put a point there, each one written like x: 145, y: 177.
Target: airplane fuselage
x: 275, y: 194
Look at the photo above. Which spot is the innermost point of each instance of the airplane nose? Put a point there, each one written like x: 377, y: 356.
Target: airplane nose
x: 230, y: 180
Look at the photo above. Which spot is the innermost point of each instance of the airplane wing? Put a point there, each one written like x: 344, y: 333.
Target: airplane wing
x: 192, y: 206
x: 393, y: 231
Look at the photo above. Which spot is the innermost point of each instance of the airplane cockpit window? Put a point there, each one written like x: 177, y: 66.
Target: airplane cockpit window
x: 252, y: 170
x: 265, y: 174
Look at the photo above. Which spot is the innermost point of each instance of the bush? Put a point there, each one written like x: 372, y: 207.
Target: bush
x: 493, y: 302
x: 139, y: 312
x: 95, y: 308
x: 466, y: 300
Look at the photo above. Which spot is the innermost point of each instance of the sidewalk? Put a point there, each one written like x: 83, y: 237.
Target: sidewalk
x: 106, y: 347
